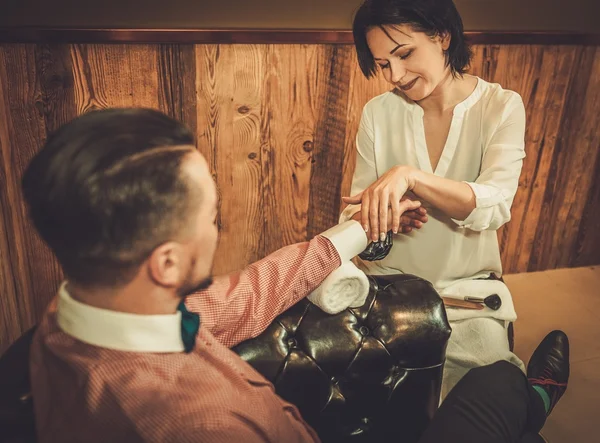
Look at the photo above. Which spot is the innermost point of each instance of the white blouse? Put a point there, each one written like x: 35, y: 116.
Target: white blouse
x: 485, y: 148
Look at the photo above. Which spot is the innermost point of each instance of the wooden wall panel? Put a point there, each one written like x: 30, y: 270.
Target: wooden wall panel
x: 115, y: 76
x: 207, y: 106
x: 289, y: 121
x: 333, y: 78
x: 585, y: 251
x: 277, y: 125
x: 238, y: 94
x: 27, y: 266
x: 541, y: 76
x: 573, y: 168
x: 177, y: 83
x: 10, y: 285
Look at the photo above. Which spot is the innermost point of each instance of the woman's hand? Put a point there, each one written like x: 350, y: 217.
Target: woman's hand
x: 388, y: 192
x: 412, y: 219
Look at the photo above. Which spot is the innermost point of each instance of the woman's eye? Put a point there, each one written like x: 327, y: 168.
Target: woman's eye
x: 387, y: 65
x: 405, y: 56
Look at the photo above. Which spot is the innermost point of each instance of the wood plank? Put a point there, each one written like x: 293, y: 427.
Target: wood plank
x: 332, y: 98
x: 143, y: 63
x: 232, y: 95
x: 21, y: 134
x: 10, y: 324
x: 289, y: 121
x: 177, y: 83
x: 57, y: 105
x: 115, y: 76
x: 540, y: 75
x: 571, y: 174
x: 208, y: 104
x: 585, y: 251
x: 55, y: 67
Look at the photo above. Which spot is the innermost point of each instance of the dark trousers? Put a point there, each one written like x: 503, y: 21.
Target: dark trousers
x: 491, y: 404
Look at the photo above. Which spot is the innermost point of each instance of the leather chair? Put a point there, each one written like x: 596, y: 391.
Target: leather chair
x: 369, y: 374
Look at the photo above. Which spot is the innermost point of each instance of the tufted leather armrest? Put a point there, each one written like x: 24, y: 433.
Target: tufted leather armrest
x: 370, y: 374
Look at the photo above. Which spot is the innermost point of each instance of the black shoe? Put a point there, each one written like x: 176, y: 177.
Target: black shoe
x: 549, y: 366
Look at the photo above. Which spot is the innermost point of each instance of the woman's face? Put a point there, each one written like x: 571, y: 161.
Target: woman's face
x: 412, y: 61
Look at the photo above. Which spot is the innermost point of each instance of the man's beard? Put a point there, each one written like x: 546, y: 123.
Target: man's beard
x: 187, y: 289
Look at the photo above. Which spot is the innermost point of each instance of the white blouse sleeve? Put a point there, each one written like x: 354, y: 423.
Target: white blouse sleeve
x: 365, y: 172
x: 497, y: 184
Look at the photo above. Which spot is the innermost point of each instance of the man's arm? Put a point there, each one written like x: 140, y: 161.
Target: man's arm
x: 202, y: 410
x: 240, y: 306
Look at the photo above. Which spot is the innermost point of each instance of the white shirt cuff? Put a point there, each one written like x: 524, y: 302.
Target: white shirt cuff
x: 485, y: 196
x: 467, y: 222
x: 489, y: 201
x: 348, y: 238
x: 349, y: 212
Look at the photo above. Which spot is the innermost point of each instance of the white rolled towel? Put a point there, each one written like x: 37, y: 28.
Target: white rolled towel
x: 346, y: 287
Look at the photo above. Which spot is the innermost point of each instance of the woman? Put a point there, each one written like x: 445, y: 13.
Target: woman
x: 450, y: 140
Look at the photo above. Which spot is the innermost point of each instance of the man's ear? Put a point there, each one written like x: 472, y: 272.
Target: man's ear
x: 165, y: 265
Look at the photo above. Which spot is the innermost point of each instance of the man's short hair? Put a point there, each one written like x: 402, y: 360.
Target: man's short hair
x: 107, y: 189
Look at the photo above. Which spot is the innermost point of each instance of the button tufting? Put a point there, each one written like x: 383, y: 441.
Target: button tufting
x: 300, y: 354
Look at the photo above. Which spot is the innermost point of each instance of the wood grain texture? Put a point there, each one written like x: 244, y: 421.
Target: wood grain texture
x: 177, y: 83
x: 290, y: 115
x: 28, y: 268
x: 10, y: 286
x: 573, y: 168
x: 585, y: 251
x: 541, y: 76
x: 277, y: 125
x: 333, y: 78
x: 231, y: 92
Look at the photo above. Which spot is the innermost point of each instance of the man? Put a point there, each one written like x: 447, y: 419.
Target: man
x: 128, y: 206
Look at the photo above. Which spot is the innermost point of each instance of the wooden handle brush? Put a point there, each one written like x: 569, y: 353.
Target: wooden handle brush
x: 455, y: 303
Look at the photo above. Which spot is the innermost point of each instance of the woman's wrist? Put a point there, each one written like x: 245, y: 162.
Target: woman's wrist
x: 452, y: 197
x: 413, y: 176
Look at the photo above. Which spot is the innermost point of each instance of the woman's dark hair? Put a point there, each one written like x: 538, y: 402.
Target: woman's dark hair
x: 433, y: 17
x: 107, y: 188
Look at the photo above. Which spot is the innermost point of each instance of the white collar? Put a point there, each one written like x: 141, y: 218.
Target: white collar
x: 121, y: 331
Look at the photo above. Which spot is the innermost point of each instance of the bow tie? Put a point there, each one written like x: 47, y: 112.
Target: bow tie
x: 190, y: 323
